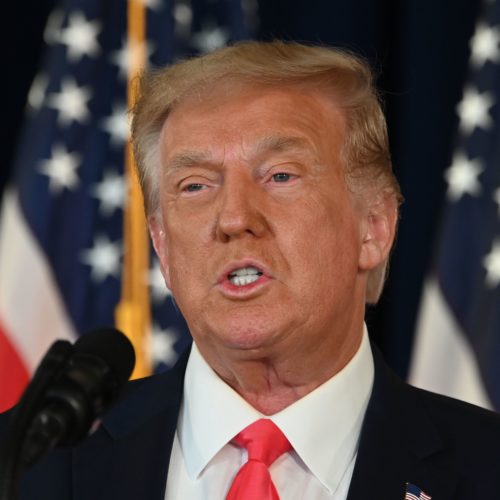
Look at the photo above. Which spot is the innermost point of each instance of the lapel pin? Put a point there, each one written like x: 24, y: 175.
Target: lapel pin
x: 415, y: 493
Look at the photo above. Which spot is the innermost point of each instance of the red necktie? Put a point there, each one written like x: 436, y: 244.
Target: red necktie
x: 265, y: 443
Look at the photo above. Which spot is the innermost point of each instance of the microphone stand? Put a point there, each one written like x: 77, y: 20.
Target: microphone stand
x: 13, y: 459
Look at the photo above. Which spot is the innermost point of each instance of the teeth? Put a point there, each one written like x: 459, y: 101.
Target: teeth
x: 244, y: 276
x: 244, y: 271
x: 243, y: 280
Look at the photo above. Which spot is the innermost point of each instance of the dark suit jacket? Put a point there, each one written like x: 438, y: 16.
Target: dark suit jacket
x: 449, y: 449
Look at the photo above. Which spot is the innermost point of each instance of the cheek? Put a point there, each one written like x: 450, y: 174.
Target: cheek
x: 188, y: 248
x: 326, y: 240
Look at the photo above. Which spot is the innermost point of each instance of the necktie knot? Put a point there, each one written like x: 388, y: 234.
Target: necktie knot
x: 265, y: 443
x: 263, y: 440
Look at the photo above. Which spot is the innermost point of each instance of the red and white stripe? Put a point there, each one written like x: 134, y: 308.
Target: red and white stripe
x: 422, y: 496
x: 32, y: 314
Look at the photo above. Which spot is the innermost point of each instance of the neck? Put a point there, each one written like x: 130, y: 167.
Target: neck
x: 271, y: 382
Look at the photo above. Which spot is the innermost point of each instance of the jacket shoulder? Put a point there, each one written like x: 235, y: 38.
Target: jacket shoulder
x: 472, y: 427
x: 449, y: 448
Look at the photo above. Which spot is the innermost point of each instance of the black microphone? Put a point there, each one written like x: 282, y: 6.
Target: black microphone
x: 71, y: 388
x: 97, y: 369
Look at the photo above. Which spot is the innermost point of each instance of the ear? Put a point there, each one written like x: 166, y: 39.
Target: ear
x: 378, y: 230
x: 159, y: 238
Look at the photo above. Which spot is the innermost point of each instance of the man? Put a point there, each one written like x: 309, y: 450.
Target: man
x: 273, y: 208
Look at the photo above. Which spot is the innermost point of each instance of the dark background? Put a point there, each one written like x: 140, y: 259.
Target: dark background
x: 419, y: 49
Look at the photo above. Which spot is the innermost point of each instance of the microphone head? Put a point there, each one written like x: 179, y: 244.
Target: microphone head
x: 71, y: 390
x: 113, y: 347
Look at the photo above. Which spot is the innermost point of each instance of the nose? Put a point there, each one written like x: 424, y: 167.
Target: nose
x: 241, y: 210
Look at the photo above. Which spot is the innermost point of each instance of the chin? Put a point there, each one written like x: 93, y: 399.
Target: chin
x: 246, y: 333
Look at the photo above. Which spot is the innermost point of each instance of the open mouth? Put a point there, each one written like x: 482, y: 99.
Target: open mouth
x: 244, y: 276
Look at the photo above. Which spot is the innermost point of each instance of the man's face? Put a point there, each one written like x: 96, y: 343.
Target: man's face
x: 260, y: 239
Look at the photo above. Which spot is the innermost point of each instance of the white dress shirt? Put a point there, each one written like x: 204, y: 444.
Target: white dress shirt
x: 323, y: 428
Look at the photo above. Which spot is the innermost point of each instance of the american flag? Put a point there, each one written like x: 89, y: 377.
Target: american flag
x: 61, y: 220
x: 458, y: 344
x: 415, y: 493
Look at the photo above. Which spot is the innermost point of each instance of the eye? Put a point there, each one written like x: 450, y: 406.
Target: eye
x: 192, y: 188
x: 281, y: 177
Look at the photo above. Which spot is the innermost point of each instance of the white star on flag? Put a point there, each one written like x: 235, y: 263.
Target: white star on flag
x: 71, y: 102
x: 36, y: 95
x: 473, y: 110
x: 462, y: 177
x: 492, y: 265
x: 210, y: 38
x: 103, y: 258
x: 183, y: 15
x: 80, y: 36
x: 110, y: 192
x: 117, y: 125
x: 61, y: 169
x: 156, y: 282
x: 123, y: 58
x: 161, y: 345
x: 496, y: 199
x: 485, y: 45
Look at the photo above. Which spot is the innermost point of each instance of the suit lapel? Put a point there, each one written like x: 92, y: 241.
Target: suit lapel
x: 399, y: 444
x: 128, y: 456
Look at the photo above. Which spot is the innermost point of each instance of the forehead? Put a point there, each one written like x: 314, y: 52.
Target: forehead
x: 248, y: 119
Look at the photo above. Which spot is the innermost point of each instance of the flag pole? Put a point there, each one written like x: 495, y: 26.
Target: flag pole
x: 132, y: 314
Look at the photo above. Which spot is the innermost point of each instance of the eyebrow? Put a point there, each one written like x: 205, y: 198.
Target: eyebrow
x: 278, y: 143
x: 274, y: 143
x: 188, y: 159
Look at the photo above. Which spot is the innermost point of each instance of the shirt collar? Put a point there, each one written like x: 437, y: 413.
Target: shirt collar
x: 212, y: 413
x: 323, y: 427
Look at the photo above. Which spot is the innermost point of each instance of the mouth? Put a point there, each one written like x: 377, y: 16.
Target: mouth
x: 244, y: 279
x: 244, y: 276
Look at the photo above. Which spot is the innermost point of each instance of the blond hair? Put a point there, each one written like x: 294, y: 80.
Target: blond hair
x: 339, y: 74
